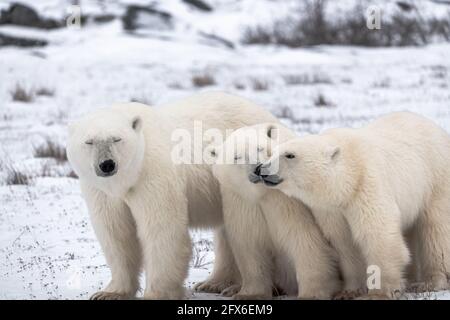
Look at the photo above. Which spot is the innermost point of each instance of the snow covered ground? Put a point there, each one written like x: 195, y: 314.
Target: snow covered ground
x: 47, y: 246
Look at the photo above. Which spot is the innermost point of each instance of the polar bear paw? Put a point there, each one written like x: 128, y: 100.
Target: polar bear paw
x: 387, y: 293
x: 316, y: 296
x: 104, y: 295
x: 251, y: 297
x: 374, y: 296
x: 213, y: 286
x: 349, y: 294
x: 439, y: 283
x: 173, y: 294
x: 428, y: 286
x: 231, y: 290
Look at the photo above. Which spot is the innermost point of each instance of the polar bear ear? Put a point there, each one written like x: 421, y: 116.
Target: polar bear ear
x: 333, y: 152
x: 136, y: 124
x: 272, y: 131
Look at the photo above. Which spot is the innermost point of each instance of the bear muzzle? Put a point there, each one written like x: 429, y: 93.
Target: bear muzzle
x: 106, y: 168
x: 260, y: 174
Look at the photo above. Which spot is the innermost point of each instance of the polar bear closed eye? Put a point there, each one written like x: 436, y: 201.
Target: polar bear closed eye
x: 377, y: 184
x: 262, y: 223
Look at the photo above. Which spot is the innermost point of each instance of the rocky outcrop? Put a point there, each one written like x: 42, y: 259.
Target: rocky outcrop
x: 22, y: 15
x: 137, y: 17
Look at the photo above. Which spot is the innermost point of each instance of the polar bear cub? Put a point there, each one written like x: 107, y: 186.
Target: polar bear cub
x: 370, y: 187
x: 260, y: 222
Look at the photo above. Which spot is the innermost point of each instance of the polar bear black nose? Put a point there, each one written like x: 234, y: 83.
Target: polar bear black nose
x: 107, y: 166
x: 258, y: 169
x: 262, y: 173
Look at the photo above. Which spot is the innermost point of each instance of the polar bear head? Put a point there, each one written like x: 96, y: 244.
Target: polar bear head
x: 106, y: 146
x: 312, y: 168
x: 236, y: 160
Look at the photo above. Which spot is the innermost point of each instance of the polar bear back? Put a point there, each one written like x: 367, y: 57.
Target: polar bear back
x: 217, y: 110
x: 407, y: 153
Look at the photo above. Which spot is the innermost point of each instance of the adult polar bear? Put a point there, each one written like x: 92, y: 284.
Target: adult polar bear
x: 367, y: 188
x: 123, y: 158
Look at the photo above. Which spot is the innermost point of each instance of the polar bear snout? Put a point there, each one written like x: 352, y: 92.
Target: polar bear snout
x: 263, y: 173
x: 254, y: 176
x: 272, y: 180
x: 106, y: 168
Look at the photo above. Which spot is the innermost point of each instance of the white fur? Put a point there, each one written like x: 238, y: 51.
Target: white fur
x: 262, y: 224
x: 370, y: 187
x: 142, y: 213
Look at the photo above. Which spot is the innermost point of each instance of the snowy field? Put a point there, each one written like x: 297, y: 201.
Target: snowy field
x: 47, y: 246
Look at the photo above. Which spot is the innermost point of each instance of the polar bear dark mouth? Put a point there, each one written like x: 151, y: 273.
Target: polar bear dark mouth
x: 267, y: 180
x: 254, y: 178
x: 104, y: 175
x: 272, y: 180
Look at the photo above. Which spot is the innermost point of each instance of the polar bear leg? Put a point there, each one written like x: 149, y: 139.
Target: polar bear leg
x: 376, y: 228
x: 285, y: 278
x: 295, y: 232
x: 162, y: 228
x: 248, y: 237
x: 434, y: 235
x: 315, y: 262
x: 352, y: 268
x: 351, y: 264
x: 116, y: 232
x: 225, y: 273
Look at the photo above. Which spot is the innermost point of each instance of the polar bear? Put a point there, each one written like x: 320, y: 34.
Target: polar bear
x: 261, y: 223
x: 369, y: 187
x: 142, y: 203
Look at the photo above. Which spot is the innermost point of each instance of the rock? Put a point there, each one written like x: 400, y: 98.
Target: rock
x: 96, y: 19
x: 6, y: 40
x: 104, y: 18
x: 137, y: 17
x: 199, y: 4
x: 214, y: 39
x: 22, y: 15
x: 405, y: 6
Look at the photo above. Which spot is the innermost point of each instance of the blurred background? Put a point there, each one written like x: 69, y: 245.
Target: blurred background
x: 314, y: 63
